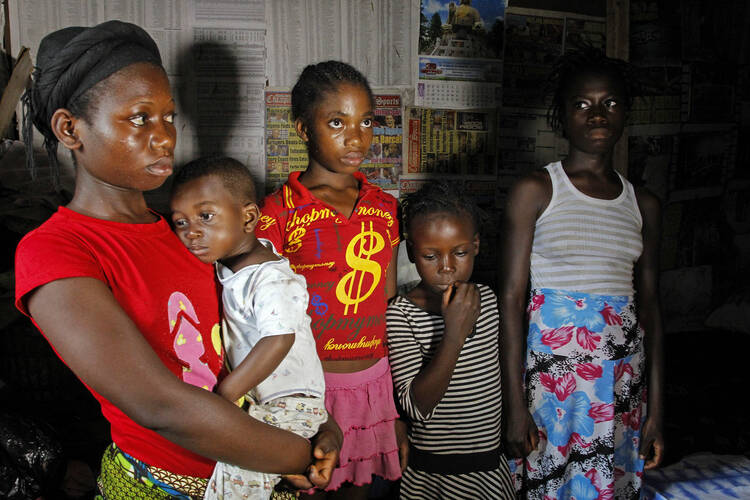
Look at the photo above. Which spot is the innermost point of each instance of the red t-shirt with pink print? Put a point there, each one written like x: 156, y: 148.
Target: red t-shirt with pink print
x: 169, y: 294
x: 344, y: 260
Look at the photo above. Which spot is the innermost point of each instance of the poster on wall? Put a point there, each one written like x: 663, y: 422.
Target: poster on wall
x: 652, y: 155
x: 460, y: 52
x: 382, y: 164
x: 286, y: 152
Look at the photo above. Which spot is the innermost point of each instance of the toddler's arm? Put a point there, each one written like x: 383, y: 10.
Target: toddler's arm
x: 260, y: 362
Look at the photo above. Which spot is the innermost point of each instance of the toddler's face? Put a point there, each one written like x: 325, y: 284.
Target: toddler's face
x: 209, y: 220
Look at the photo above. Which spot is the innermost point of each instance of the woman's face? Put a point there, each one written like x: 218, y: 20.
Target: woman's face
x: 129, y: 137
x: 593, y: 112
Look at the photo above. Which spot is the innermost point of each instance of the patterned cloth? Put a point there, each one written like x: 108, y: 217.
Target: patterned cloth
x: 586, y: 393
x: 124, y: 478
x: 300, y: 415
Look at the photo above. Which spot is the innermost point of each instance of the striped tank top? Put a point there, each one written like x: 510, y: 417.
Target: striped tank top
x: 586, y: 244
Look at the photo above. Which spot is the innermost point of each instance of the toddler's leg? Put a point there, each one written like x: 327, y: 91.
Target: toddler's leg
x: 229, y: 482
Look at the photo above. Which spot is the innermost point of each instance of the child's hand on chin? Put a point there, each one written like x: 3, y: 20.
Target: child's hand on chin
x: 460, y: 309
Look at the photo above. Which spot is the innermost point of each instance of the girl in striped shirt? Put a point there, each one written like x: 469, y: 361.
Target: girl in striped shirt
x: 443, y: 349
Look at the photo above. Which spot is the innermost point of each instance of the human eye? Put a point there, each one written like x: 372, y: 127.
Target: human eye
x: 206, y: 216
x: 461, y: 253
x: 580, y: 105
x: 429, y: 256
x: 610, y: 103
x: 179, y: 223
x: 138, y: 120
x: 169, y: 117
x: 336, y: 123
x: 367, y: 122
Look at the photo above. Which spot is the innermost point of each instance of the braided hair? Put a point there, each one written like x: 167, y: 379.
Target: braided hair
x: 319, y: 79
x: 439, y: 197
x: 586, y: 60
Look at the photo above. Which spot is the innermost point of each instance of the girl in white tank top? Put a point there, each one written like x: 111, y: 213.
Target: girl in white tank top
x: 577, y: 419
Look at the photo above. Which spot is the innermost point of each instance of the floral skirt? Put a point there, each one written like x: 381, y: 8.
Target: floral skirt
x: 586, y: 392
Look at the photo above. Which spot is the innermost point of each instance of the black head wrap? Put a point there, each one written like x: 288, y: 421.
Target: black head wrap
x: 69, y: 62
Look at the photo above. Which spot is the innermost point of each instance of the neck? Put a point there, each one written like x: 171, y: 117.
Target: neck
x: 598, y: 163
x: 317, y: 175
x: 102, y: 201
x: 426, y: 299
x: 254, y: 252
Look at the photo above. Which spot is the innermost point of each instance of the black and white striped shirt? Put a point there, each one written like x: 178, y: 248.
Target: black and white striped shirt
x: 467, y: 419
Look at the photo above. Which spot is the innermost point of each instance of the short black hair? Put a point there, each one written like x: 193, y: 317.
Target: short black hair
x: 439, y: 196
x: 234, y: 176
x: 586, y: 60
x: 322, y: 78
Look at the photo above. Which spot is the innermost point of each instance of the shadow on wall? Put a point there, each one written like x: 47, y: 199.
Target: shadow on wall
x: 210, y: 105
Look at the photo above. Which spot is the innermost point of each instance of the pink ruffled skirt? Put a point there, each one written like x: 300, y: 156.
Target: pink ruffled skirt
x: 362, y: 404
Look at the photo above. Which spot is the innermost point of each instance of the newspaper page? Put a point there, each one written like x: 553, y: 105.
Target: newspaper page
x: 286, y: 152
x: 652, y: 156
x: 375, y: 36
x: 460, y: 50
x: 213, y: 52
x: 448, y: 141
x: 534, y: 39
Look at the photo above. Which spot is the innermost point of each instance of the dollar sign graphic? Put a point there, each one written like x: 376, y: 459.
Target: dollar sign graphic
x: 294, y: 241
x: 365, y: 244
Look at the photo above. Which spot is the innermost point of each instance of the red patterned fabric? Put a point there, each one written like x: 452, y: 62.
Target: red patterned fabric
x: 344, y: 260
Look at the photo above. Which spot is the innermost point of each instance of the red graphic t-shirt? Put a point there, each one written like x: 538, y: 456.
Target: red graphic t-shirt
x: 344, y: 260
x: 169, y: 294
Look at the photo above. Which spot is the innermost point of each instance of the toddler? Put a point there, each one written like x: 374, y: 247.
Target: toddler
x: 266, y: 334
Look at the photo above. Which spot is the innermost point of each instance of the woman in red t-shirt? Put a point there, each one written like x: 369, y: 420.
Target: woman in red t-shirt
x: 117, y: 295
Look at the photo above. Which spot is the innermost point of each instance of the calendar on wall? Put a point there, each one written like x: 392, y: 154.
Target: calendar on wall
x: 458, y: 95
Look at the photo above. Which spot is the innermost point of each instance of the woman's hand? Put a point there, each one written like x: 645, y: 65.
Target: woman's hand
x: 521, y: 435
x: 326, y: 448
x: 652, y: 444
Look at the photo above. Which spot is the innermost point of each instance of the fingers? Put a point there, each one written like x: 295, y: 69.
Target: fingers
x: 298, y: 481
x: 655, y: 460
x: 447, y: 295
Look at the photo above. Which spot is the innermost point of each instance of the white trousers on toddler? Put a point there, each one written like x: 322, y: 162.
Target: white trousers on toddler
x: 300, y: 415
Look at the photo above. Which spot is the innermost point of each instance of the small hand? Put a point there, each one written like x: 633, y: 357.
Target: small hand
x: 652, y: 444
x: 402, y: 439
x: 460, y: 309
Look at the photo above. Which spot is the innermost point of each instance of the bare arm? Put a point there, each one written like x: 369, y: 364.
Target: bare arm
x: 391, y: 282
x: 460, y: 314
x: 87, y: 327
x: 526, y: 202
x: 649, y: 316
x: 260, y: 362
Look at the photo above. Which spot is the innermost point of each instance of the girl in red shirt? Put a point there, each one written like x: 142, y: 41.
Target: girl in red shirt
x: 340, y: 232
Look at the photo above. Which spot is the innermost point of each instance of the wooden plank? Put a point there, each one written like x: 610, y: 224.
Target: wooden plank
x: 18, y: 82
x: 618, y: 45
